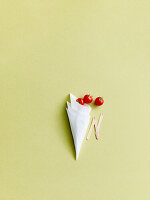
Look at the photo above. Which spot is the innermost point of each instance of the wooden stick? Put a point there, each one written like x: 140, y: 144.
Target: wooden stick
x: 97, y: 127
x: 90, y: 131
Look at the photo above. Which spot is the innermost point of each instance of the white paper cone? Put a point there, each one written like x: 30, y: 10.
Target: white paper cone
x: 79, y: 117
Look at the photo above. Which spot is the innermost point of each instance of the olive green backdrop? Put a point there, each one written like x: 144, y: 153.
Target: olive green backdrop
x: 49, y: 48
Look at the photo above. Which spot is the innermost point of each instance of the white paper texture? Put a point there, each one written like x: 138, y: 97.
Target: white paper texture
x: 79, y: 117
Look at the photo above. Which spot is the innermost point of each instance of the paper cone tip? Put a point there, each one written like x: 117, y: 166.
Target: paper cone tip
x: 77, y: 157
x: 77, y: 152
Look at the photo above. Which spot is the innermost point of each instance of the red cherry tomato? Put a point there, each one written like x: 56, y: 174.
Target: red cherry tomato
x: 80, y: 101
x: 88, y: 98
x: 99, y: 101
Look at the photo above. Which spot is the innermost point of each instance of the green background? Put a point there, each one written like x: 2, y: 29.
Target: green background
x: 49, y: 48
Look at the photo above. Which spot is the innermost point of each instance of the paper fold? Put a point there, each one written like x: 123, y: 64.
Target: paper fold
x: 79, y: 117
